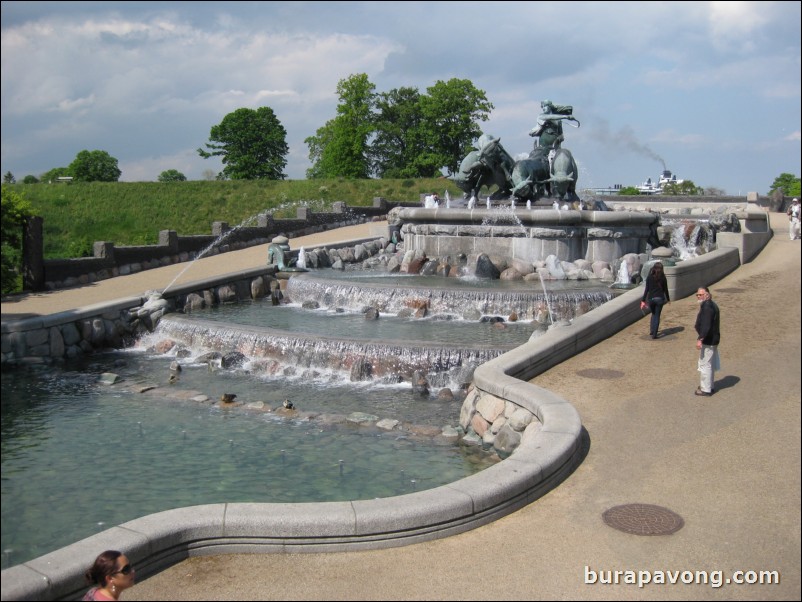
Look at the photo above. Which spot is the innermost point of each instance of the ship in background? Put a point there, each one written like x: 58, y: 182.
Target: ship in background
x: 649, y: 187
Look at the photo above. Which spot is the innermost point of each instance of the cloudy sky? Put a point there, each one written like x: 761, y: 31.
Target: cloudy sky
x: 708, y: 90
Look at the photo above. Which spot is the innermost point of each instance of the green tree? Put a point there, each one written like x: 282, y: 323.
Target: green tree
x: 451, y: 112
x: 684, y: 188
x: 94, y: 166
x: 629, y: 191
x: 317, y: 144
x: 15, y: 210
x: 172, y: 175
x: 399, y: 149
x: 9, y: 178
x: 252, y: 144
x: 53, y: 174
x: 340, y: 148
x: 787, y: 183
x: 30, y: 179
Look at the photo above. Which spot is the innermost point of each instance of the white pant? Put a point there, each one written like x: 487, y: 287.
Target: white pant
x: 709, y: 362
x: 793, y: 228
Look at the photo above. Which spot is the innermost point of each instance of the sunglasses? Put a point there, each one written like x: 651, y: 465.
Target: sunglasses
x: 126, y: 570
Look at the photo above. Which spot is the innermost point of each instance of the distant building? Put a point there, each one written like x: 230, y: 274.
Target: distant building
x: 614, y: 189
x: 648, y: 187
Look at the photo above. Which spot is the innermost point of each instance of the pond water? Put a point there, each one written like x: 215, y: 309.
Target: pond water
x: 79, y: 457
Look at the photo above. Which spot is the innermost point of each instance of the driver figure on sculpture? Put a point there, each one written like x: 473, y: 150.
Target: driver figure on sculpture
x: 549, y: 129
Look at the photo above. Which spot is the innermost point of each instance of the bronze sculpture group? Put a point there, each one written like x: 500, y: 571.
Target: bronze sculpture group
x: 549, y: 171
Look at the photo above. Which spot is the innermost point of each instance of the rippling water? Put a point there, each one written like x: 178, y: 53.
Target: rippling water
x: 79, y: 456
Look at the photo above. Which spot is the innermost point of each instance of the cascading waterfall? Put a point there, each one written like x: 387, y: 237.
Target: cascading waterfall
x: 679, y: 244
x: 548, y: 303
x: 276, y: 352
x: 456, y: 301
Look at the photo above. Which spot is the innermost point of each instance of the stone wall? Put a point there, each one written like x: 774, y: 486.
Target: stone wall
x: 116, y: 325
x: 527, y: 235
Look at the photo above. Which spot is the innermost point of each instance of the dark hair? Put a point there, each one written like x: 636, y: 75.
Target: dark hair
x: 105, y: 566
x: 657, y: 267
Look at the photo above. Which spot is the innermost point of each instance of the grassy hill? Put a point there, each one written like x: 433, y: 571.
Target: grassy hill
x: 132, y: 213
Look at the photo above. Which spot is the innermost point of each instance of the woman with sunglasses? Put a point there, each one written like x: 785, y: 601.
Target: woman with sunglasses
x: 111, y: 574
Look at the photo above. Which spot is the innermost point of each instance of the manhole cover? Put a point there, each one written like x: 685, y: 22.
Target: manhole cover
x: 643, y: 519
x: 601, y: 373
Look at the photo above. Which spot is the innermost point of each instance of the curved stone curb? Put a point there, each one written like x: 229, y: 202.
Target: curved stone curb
x: 159, y: 540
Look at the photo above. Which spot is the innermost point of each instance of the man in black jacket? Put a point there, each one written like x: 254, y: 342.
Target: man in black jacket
x: 707, y: 339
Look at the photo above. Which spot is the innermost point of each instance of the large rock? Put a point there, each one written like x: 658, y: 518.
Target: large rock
x: 232, y: 359
x: 520, y: 419
x: 506, y: 441
x: 485, y: 268
x: 490, y: 407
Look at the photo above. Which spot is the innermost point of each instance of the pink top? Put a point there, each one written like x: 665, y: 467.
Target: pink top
x: 95, y: 594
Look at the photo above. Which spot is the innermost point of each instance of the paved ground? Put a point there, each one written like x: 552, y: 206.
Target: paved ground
x: 728, y: 464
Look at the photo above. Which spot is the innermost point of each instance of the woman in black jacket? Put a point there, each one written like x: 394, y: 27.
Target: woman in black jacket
x: 655, y: 295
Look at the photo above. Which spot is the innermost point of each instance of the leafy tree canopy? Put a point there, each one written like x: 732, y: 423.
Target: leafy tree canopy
x: 252, y: 144
x: 787, y: 183
x: 94, y: 166
x: 9, y: 178
x: 340, y: 148
x: 451, y: 111
x: 30, y: 179
x: 54, y: 174
x: 172, y: 175
x: 400, y: 148
x: 15, y: 210
x: 398, y: 134
x: 684, y: 188
x: 629, y: 191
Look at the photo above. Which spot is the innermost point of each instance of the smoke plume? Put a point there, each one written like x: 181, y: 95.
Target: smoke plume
x: 623, y: 139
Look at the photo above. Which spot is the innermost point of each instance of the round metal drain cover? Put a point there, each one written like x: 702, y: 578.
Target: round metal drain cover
x: 600, y: 373
x: 643, y: 519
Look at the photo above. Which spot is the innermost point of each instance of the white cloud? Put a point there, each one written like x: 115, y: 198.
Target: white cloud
x: 733, y: 23
x: 79, y: 104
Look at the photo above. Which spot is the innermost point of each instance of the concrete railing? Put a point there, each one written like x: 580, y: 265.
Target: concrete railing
x: 157, y: 541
